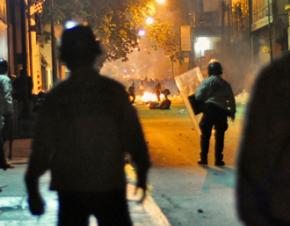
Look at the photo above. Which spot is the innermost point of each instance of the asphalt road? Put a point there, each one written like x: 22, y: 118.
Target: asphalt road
x: 188, y: 194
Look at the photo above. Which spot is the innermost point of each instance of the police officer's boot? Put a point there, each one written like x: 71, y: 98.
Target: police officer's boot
x: 219, y: 159
x: 202, y: 162
x: 204, y: 145
x: 203, y: 159
x: 219, y: 146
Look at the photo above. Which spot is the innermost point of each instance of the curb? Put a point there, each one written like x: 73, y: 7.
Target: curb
x: 19, y: 161
x: 155, y: 212
x: 150, y: 206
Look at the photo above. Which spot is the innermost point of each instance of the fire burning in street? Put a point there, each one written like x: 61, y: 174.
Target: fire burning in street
x: 150, y: 97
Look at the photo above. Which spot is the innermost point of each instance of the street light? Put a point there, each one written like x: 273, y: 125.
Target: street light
x: 141, y: 32
x: 150, y: 20
x: 161, y: 2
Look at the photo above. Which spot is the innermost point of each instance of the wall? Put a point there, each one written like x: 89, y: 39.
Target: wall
x: 3, y: 41
x: 3, y: 30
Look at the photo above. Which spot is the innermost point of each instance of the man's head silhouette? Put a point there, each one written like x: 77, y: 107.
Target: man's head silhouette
x: 3, y: 66
x: 79, y: 47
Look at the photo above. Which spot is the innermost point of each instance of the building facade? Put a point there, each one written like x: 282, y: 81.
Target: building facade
x: 269, y: 28
x: 3, y: 30
x: 23, y: 44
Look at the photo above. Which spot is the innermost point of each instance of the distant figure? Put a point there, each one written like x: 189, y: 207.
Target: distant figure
x: 219, y: 102
x: 85, y: 127
x: 166, y: 103
x: 141, y: 88
x: 38, y: 101
x: 23, y: 93
x: 6, y: 111
x: 263, y: 183
x: 157, y: 90
x: 132, y: 94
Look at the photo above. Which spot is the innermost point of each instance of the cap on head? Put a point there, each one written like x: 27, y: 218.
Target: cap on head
x: 3, y: 66
x: 79, y: 46
x: 215, y: 68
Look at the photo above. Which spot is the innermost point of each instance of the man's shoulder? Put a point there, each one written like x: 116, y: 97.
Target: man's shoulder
x: 278, y: 69
x: 109, y: 82
x: 226, y: 83
x: 5, y: 78
x: 215, y: 80
x: 56, y: 89
x: 101, y: 83
x: 112, y: 87
x: 207, y: 80
x: 285, y: 58
x: 283, y: 65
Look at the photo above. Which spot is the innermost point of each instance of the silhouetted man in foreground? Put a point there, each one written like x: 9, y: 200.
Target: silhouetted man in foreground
x: 218, y: 103
x: 85, y: 126
x: 264, y: 160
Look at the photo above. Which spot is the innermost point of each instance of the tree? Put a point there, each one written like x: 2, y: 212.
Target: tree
x: 116, y: 24
x: 118, y: 35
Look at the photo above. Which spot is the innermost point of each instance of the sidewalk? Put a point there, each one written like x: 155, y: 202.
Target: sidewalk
x: 13, y: 205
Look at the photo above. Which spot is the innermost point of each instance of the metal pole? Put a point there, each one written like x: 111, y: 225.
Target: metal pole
x: 9, y: 41
x: 53, y: 43
x: 250, y: 3
x: 251, y: 39
x: 23, y: 35
x: 30, y: 39
x: 270, y: 31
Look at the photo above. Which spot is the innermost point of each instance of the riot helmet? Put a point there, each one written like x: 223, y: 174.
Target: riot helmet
x: 215, y: 68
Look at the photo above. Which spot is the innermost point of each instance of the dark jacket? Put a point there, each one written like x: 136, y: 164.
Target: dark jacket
x: 263, y: 188
x: 215, y: 90
x: 23, y: 86
x: 84, y: 128
x: 6, y: 100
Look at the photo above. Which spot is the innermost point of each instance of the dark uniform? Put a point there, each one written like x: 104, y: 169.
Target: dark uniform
x: 218, y: 103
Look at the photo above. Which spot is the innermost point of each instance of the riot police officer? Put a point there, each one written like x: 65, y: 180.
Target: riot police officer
x: 218, y: 103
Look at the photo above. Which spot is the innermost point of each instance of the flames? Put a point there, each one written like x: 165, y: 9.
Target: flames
x: 150, y: 97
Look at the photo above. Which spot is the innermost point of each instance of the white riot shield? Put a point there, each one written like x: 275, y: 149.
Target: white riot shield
x: 187, y: 84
